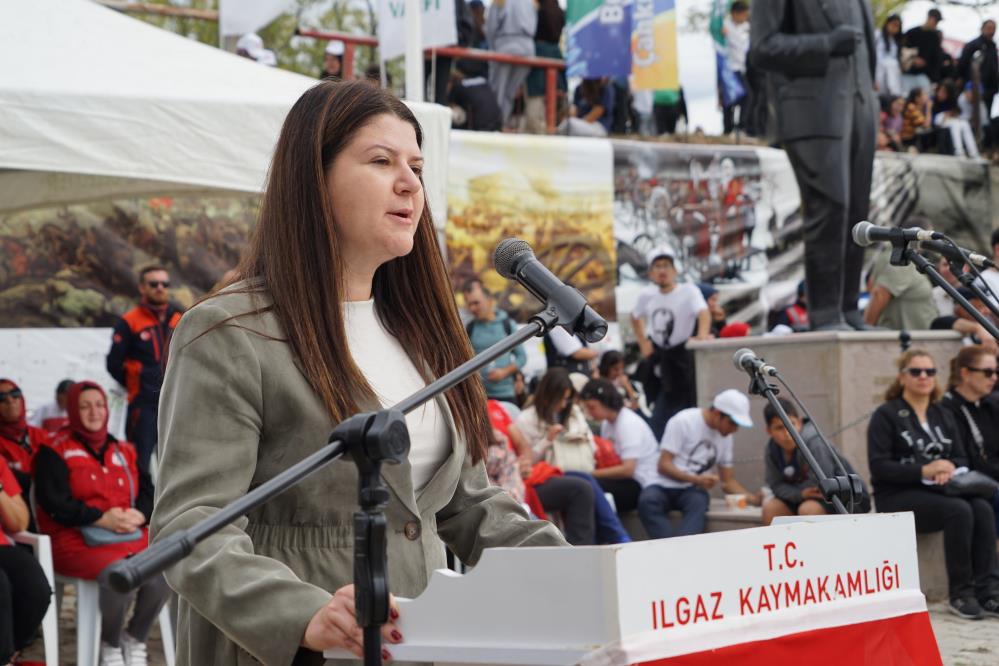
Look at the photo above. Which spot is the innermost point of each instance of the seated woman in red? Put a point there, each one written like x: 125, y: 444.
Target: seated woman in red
x: 94, y: 503
x: 18, y: 440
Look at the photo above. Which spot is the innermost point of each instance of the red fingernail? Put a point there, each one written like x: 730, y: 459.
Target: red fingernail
x: 394, y: 614
x: 386, y: 656
x: 396, y: 636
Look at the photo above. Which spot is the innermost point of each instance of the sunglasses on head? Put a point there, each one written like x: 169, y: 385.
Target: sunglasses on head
x: 156, y: 284
x: 13, y: 394
x: 916, y: 372
x: 989, y: 373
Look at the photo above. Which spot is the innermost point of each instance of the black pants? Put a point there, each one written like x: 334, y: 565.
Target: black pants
x: 149, y: 600
x: 24, y: 598
x: 834, y: 176
x: 141, y: 431
x: 625, y: 492
x: 969, y: 531
x: 573, y: 498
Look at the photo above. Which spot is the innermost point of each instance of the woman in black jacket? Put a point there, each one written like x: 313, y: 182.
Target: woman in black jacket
x: 914, y: 448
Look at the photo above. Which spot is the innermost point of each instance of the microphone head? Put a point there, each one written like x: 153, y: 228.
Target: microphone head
x: 860, y: 233
x: 740, y: 356
x: 507, y: 256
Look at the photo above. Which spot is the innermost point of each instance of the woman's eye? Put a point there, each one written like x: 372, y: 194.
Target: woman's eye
x: 418, y: 170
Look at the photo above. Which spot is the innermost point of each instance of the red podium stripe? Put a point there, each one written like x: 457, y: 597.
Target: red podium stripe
x: 906, y: 640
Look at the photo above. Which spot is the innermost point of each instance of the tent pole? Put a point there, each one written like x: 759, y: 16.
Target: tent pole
x: 414, y: 50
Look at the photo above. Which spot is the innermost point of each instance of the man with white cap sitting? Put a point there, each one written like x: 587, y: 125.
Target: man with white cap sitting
x: 667, y: 314
x: 696, y: 442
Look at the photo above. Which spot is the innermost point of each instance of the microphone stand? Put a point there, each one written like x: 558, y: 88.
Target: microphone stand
x: 371, y: 439
x: 833, y: 488
x: 902, y: 254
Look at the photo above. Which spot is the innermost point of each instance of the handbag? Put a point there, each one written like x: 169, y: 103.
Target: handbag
x: 605, y: 455
x: 572, y: 454
x: 101, y: 536
x: 972, y: 484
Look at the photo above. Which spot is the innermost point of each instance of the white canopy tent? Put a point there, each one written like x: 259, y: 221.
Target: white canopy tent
x: 96, y: 105
x: 86, y: 91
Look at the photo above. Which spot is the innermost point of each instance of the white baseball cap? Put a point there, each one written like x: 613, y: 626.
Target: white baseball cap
x: 252, y: 44
x: 657, y: 252
x: 334, y: 47
x: 735, y: 405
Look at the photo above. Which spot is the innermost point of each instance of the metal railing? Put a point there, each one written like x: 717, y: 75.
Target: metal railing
x: 550, y: 65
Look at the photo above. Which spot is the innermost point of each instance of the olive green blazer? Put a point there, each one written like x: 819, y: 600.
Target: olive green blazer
x: 235, y: 411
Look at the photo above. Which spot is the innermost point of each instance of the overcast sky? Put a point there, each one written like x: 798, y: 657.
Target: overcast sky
x: 697, y: 59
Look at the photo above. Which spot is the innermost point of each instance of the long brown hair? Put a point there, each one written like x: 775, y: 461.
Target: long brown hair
x: 966, y: 358
x: 551, y: 389
x: 296, y: 252
x: 895, y: 390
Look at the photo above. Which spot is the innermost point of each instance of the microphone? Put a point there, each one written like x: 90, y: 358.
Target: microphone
x: 515, y: 260
x: 865, y: 233
x: 953, y: 254
x: 746, y: 359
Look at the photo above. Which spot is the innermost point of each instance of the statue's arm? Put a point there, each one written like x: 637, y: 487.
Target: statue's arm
x: 788, y: 53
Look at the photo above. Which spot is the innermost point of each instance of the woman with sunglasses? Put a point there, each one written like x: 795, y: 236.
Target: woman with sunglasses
x: 914, y: 447
x: 975, y: 409
x: 18, y: 441
x: 341, y: 304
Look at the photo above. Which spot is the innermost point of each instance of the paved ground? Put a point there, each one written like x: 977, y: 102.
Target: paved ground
x: 962, y: 643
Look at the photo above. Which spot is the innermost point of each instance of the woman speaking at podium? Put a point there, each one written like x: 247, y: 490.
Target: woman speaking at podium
x: 341, y: 304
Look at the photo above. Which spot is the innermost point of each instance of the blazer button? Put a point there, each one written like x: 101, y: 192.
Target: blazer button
x: 412, y: 530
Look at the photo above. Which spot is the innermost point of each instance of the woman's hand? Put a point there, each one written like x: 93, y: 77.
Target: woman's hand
x: 117, y: 520
x: 554, y: 431
x: 938, y: 469
x: 136, y: 517
x: 335, y: 626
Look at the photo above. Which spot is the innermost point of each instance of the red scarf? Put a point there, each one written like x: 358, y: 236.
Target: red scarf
x: 96, y: 439
x: 540, y: 473
x: 159, y: 310
x: 17, y: 429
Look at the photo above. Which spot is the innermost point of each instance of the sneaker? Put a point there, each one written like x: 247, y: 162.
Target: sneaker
x: 990, y: 606
x: 111, y: 656
x: 135, y: 650
x: 966, y: 608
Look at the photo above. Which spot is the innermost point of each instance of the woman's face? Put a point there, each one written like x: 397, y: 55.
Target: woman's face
x: 615, y: 371
x: 93, y: 410
x: 914, y: 376
x: 10, y: 403
x: 893, y: 27
x: 564, y: 402
x: 897, y: 105
x: 980, y: 378
x: 377, y: 196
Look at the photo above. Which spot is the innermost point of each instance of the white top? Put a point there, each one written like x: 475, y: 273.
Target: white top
x: 991, y: 278
x: 49, y: 410
x: 392, y: 375
x: 736, y: 44
x: 564, y: 342
x: 633, y: 440
x: 696, y: 448
x: 669, y: 318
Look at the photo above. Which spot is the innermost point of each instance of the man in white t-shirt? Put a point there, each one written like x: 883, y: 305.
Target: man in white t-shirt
x: 664, y: 318
x: 565, y: 350
x: 633, y: 441
x: 696, y: 442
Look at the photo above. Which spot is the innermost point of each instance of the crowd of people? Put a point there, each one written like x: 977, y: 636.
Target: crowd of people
x: 931, y: 101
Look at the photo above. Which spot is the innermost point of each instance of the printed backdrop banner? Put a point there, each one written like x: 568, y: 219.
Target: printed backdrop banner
x: 553, y: 192
x: 439, y: 26
x: 653, y: 45
x: 599, y: 38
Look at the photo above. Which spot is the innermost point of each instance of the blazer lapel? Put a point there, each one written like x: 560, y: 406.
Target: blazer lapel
x: 832, y: 16
x: 397, y: 477
x: 438, y: 491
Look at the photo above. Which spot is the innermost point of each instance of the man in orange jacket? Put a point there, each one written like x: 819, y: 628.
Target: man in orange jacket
x: 138, y: 357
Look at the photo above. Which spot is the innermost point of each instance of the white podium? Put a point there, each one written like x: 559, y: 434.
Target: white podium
x: 830, y: 590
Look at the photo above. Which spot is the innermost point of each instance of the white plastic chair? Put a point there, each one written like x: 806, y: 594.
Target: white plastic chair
x: 41, y: 545
x: 88, y: 622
